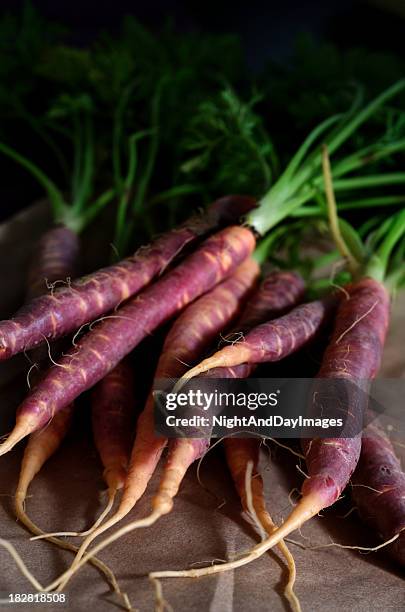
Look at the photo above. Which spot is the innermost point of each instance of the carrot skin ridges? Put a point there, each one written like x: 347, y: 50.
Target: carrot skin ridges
x: 379, y: 491
x: 68, y: 308
x: 182, y: 453
x: 354, y: 353
x: 101, y: 349
x: 204, y: 320
x: 270, y: 341
x: 54, y: 261
x: 112, y: 407
x: 278, y: 293
x: 278, y: 338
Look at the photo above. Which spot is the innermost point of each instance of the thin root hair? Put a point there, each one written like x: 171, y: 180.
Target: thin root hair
x: 21, y: 565
x: 348, y: 513
x: 366, y: 549
x: 301, y: 471
x: 291, y: 493
x: 360, y: 318
x: 249, y: 500
x: 161, y: 604
x: 51, y: 359
x: 32, y: 367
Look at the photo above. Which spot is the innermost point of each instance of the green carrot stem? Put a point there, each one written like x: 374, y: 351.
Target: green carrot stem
x: 363, y: 115
x: 77, y: 156
x: 92, y: 210
x: 86, y: 178
x: 395, y: 233
x: 367, y: 155
x: 53, y: 193
x: 299, y: 156
x: 364, y: 182
x: 341, y: 245
x: 151, y: 154
x: 117, y: 132
x: 265, y: 246
x: 314, y: 211
x: 125, y: 190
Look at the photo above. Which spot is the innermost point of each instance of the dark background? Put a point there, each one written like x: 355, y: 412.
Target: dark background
x: 267, y: 30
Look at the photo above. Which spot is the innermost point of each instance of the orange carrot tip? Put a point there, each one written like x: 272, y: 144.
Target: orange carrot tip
x: 39, y: 448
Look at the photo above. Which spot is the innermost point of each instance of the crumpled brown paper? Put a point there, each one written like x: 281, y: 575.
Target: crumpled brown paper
x: 206, y: 523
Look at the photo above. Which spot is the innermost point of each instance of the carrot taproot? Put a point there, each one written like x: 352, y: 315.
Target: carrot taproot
x: 113, y: 406
x: 270, y: 341
x: 112, y: 410
x: 354, y: 354
x: 239, y: 452
x: 54, y: 260
x: 379, y: 490
x: 67, y: 308
x: 39, y: 448
x: 102, y: 348
x: 278, y: 293
x: 192, y: 333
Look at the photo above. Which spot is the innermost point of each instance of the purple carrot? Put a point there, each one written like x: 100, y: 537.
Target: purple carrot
x: 278, y: 293
x: 354, y: 353
x: 113, y: 411
x: 379, y: 490
x: 68, y: 308
x: 270, y: 341
x: 54, y: 260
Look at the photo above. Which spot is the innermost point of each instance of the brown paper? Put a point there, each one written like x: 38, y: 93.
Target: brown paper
x: 206, y: 522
